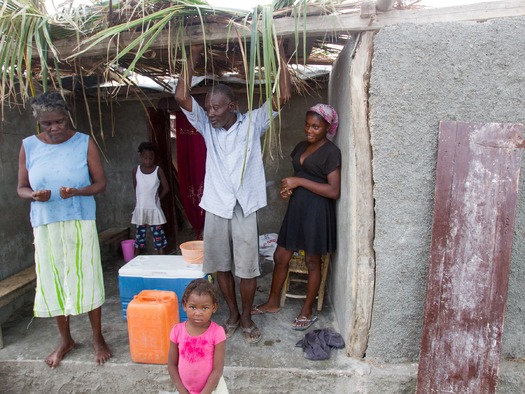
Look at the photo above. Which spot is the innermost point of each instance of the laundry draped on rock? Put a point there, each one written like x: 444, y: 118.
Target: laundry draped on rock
x: 318, y: 344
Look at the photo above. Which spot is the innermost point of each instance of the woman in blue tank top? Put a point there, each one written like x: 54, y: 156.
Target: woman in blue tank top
x: 60, y: 171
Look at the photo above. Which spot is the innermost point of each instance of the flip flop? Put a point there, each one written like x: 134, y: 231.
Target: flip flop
x: 247, y: 334
x: 301, y: 320
x: 230, y: 329
x: 256, y: 310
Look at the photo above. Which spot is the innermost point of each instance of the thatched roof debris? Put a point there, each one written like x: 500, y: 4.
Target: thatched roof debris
x: 110, y: 42
x: 219, y: 27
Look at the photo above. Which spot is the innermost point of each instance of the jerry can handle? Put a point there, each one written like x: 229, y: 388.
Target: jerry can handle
x: 150, y: 298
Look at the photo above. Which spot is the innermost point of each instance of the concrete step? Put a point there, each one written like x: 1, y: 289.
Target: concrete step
x: 24, y: 376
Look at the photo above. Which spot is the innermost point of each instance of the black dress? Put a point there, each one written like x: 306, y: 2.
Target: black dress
x: 309, y: 223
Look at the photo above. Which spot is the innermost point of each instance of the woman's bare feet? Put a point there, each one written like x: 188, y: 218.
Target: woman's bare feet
x: 102, y: 352
x: 54, y: 359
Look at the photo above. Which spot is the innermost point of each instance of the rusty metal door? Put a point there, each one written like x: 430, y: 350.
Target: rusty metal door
x: 477, y: 178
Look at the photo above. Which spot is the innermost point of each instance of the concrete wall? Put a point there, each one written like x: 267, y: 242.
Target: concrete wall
x: 341, y: 264
x: 420, y: 76
x: 16, y: 237
x: 119, y: 156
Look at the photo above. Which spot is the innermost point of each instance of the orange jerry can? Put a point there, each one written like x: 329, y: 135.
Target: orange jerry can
x: 151, y: 316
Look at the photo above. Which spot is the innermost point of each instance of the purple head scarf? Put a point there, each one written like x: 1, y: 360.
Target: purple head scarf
x: 327, y: 112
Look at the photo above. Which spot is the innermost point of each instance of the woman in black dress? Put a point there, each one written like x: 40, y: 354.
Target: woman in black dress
x: 309, y: 223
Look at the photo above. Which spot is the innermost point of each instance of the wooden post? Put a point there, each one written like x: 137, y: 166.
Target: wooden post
x: 363, y: 259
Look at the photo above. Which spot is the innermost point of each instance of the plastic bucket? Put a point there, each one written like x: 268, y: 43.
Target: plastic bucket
x: 128, y: 249
x: 192, y: 251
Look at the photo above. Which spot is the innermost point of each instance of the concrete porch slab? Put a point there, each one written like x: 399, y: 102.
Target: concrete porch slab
x: 274, y: 365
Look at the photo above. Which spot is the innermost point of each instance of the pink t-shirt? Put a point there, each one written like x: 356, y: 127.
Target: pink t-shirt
x: 196, y: 354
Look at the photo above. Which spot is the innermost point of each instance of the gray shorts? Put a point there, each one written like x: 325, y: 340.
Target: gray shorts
x: 232, y: 244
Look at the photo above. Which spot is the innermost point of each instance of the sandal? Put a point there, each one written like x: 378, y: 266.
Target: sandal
x: 230, y: 329
x: 303, y: 323
x: 256, y: 310
x: 248, y: 332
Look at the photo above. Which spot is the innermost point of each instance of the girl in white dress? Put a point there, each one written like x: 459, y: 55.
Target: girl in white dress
x: 148, y: 178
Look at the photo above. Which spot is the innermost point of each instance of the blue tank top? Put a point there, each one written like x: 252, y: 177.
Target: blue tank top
x: 51, y: 166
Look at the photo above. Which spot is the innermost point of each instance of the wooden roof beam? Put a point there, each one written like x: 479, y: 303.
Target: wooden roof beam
x: 321, y: 25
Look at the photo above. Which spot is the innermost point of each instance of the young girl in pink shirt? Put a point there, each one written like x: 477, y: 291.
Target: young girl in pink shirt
x: 198, y: 345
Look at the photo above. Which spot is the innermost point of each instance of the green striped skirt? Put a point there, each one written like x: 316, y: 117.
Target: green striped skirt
x: 68, y: 268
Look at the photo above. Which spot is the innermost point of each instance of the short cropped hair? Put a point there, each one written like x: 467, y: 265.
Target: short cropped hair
x: 225, y: 90
x: 48, y: 102
x: 147, y: 146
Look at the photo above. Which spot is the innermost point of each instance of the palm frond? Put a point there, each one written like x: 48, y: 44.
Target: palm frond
x: 131, y: 31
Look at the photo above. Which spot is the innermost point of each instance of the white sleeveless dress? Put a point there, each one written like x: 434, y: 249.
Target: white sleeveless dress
x: 147, y: 209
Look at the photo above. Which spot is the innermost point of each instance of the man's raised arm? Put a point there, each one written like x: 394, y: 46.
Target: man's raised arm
x: 182, y: 91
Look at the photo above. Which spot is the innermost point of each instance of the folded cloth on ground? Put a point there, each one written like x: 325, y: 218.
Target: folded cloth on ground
x: 318, y: 344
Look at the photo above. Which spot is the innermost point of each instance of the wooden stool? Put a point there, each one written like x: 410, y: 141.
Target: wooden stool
x: 298, y: 266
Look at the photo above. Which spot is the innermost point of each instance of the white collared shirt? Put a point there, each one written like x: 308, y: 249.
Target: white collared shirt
x: 228, y: 152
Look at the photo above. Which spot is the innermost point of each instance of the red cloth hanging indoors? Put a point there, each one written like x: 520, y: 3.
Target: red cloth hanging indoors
x: 191, y: 163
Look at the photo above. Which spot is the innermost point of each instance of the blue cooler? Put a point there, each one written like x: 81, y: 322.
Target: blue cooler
x: 167, y: 272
